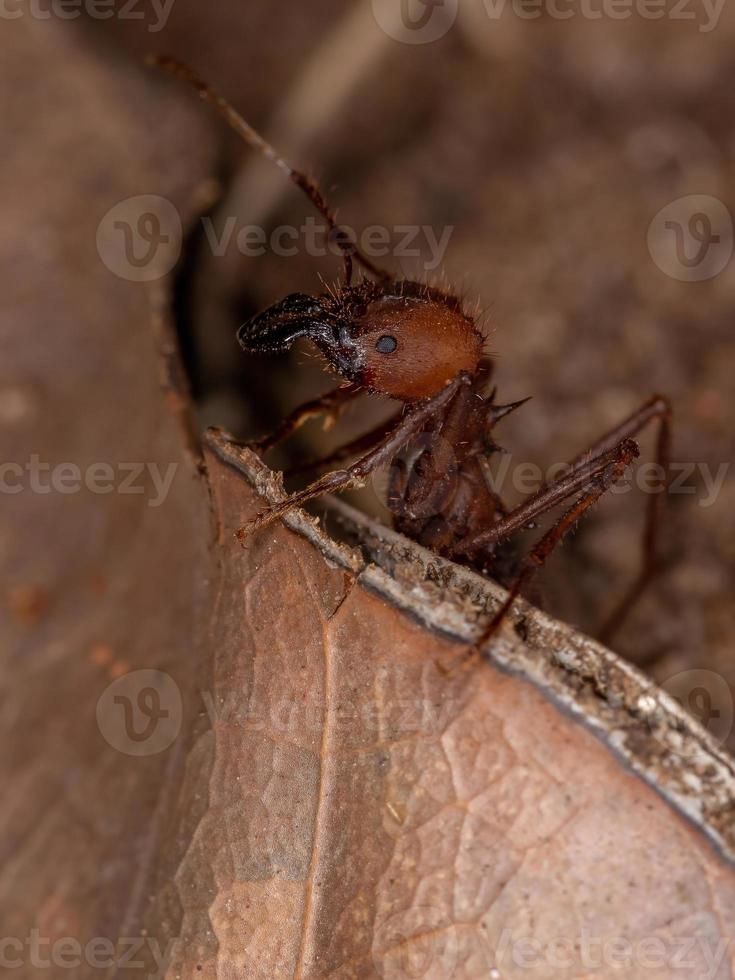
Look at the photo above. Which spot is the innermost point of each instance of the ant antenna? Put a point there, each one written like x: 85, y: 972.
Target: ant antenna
x: 255, y: 140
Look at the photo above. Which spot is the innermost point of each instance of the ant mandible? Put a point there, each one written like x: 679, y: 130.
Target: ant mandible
x: 416, y: 344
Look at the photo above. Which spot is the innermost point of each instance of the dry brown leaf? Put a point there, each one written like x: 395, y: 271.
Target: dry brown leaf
x: 331, y: 794
x: 401, y: 816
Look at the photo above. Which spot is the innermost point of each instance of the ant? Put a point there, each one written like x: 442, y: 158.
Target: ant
x: 417, y: 344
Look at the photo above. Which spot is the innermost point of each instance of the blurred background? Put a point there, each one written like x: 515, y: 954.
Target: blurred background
x: 566, y: 166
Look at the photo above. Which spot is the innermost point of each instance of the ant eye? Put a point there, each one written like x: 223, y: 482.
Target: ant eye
x: 386, y: 344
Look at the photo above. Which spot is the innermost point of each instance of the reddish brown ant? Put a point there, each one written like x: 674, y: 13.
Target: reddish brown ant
x: 417, y: 344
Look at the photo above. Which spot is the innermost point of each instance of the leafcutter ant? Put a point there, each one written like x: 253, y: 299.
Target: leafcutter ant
x: 418, y: 345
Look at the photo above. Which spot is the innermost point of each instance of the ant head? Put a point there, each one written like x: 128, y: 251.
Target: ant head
x: 401, y: 339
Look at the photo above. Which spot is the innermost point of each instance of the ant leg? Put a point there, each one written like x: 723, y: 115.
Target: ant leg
x: 256, y: 141
x: 545, y: 499
x: 616, y: 462
x: 657, y: 407
x: 330, y: 405
x: 357, y: 474
x: 352, y: 448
